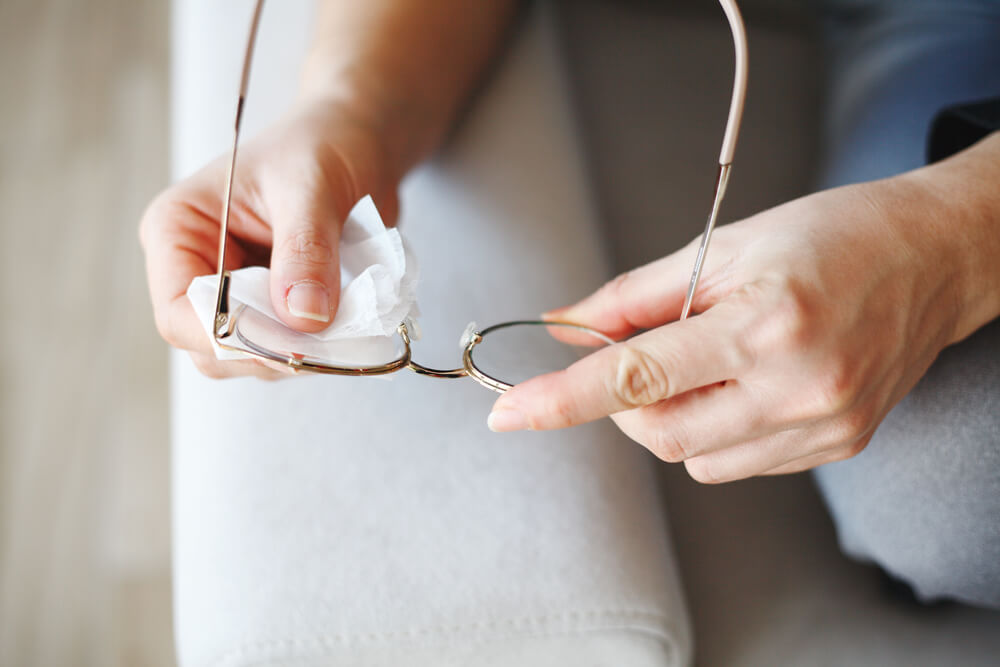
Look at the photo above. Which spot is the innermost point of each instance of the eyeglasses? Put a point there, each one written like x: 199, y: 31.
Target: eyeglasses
x: 243, y: 331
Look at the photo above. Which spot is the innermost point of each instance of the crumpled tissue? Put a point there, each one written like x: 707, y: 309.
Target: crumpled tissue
x: 378, y: 279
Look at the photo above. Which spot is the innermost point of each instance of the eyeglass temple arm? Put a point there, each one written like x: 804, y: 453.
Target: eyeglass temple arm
x: 728, y: 142
x: 739, y: 81
x: 223, y: 323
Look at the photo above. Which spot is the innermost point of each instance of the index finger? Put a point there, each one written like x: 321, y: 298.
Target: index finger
x: 654, y: 366
x: 180, y: 235
x: 642, y: 298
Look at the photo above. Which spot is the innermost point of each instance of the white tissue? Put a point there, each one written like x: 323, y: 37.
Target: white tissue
x: 378, y: 278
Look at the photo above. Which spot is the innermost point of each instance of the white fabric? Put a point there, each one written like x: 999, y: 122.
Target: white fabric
x: 378, y: 278
x: 341, y: 521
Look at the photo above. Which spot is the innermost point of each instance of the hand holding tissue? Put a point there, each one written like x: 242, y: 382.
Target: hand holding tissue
x: 378, y: 274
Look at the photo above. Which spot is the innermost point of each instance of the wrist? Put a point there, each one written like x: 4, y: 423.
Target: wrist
x: 407, y: 126
x: 407, y: 67
x: 363, y: 129
x: 328, y: 145
x: 957, y: 204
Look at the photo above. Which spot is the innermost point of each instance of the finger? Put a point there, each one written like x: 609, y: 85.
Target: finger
x: 751, y: 458
x: 180, y: 238
x: 651, y: 367
x: 811, y: 461
x: 797, y: 449
x: 213, y: 368
x: 639, y: 299
x: 305, y: 266
x: 701, y: 421
x: 182, y: 328
x: 571, y: 334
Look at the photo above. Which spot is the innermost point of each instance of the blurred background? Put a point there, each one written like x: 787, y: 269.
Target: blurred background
x: 84, y: 523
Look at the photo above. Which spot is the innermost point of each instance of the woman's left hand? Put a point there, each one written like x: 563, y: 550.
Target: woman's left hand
x: 815, y: 319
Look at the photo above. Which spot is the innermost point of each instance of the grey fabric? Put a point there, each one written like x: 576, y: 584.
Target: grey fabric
x: 893, y: 65
x: 765, y: 581
x: 923, y: 500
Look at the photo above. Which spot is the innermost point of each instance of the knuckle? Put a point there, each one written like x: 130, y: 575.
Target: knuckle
x: 740, y: 354
x: 794, y: 317
x: 307, y: 246
x: 839, y: 387
x: 670, y: 446
x: 668, y: 449
x: 616, y: 286
x: 787, y: 318
x: 854, y: 425
x: 855, y: 448
x: 848, y: 451
x: 831, y: 392
x: 639, y: 379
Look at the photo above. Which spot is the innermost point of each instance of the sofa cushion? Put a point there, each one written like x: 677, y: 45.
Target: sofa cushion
x: 331, y: 520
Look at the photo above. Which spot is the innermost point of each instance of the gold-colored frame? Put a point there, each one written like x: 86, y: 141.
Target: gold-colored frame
x: 405, y: 360
x: 476, y: 337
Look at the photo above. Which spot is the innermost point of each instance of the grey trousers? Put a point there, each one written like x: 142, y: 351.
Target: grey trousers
x: 923, y: 500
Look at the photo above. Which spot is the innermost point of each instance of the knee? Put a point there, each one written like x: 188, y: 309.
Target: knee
x: 940, y: 566
x: 943, y: 545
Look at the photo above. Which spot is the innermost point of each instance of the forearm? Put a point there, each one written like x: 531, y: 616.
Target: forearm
x: 405, y: 66
x: 959, y: 201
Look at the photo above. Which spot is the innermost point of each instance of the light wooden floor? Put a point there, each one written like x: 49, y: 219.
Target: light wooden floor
x: 84, y: 534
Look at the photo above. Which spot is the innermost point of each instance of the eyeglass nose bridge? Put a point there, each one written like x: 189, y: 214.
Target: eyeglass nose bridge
x: 470, y: 340
x: 420, y: 369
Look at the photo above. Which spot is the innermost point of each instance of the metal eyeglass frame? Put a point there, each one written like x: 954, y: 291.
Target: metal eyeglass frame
x: 226, y: 321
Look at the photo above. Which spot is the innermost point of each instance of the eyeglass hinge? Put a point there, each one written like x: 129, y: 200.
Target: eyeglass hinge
x: 223, y: 322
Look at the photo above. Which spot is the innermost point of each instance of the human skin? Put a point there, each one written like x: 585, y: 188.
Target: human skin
x: 814, y: 319
x: 381, y: 85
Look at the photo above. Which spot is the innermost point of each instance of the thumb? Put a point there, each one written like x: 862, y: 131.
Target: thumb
x: 305, y: 263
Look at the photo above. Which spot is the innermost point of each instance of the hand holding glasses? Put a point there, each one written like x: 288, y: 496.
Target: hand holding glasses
x: 233, y: 330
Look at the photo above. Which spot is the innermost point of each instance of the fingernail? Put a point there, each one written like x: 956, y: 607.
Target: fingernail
x: 310, y: 300
x: 502, y: 421
x: 556, y: 314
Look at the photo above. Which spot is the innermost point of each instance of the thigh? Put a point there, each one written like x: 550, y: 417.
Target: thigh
x: 923, y: 500
x: 892, y: 64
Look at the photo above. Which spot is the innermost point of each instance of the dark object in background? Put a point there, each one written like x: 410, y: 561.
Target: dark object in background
x: 956, y: 128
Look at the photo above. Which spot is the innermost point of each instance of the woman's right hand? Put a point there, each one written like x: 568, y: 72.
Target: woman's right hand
x: 295, y: 184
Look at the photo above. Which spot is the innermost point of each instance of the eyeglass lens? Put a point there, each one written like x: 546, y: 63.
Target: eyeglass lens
x: 513, y: 353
